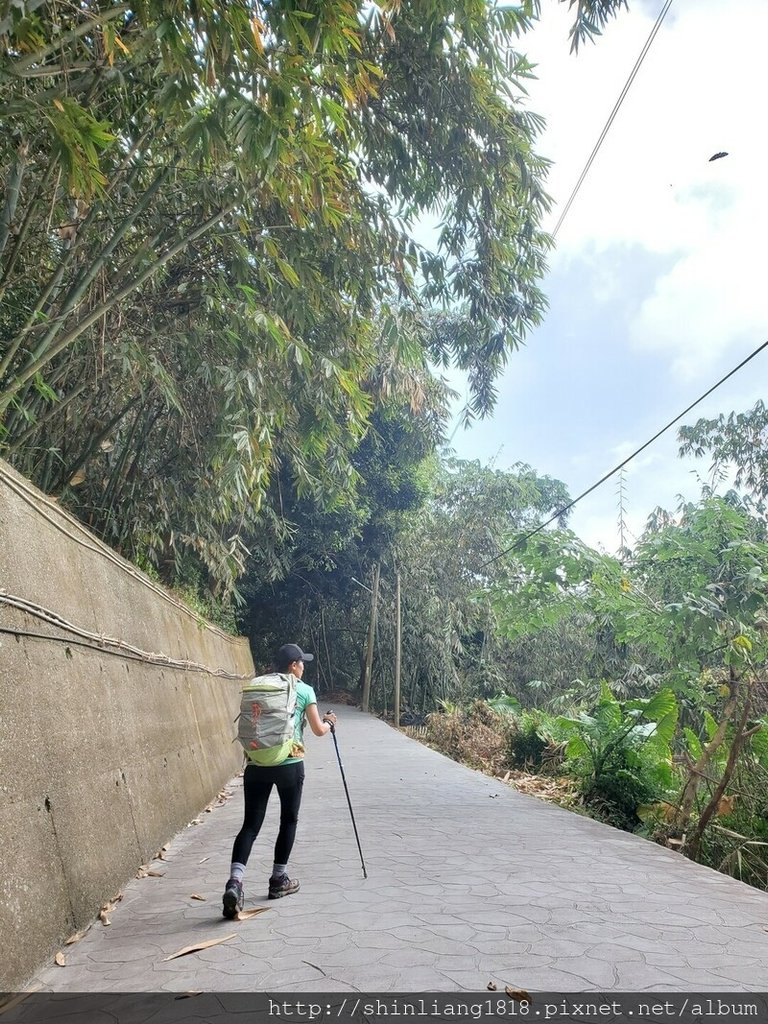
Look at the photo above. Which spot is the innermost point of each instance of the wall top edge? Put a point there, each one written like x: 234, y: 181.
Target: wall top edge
x: 62, y: 520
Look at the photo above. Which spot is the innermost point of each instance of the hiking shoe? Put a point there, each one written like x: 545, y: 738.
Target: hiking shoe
x: 282, y: 886
x: 233, y: 899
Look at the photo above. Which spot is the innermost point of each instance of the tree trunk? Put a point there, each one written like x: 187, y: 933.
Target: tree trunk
x: 688, y: 797
x: 371, y: 634
x: 742, y: 734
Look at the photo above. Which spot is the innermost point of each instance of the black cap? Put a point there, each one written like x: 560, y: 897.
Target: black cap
x: 291, y: 652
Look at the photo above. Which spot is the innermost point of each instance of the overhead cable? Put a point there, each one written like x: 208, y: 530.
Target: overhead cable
x: 561, y: 511
x: 614, y: 112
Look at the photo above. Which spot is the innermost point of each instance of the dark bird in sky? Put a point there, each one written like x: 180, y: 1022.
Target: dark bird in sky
x: 716, y: 156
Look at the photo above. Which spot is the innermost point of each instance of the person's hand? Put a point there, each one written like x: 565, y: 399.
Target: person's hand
x: 330, y: 718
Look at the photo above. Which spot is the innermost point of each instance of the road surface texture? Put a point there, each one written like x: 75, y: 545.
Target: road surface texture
x: 469, y: 882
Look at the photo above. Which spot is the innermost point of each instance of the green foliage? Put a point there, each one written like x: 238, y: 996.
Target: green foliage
x: 531, y: 736
x: 545, y: 581
x: 504, y: 704
x: 433, y: 523
x: 450, y: 631
x: 622, y: 753
x: 737, y: 841
x: 692, y: 597
x: 735, y: 443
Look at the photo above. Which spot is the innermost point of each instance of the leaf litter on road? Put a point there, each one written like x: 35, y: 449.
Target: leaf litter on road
x: 246, y: 915
x: 107, y: 909
x: 198, y: 946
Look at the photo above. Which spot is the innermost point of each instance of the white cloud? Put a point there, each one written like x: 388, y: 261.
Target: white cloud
x: 652, y: 184
x: 657, y: 286
x: 710, y: 304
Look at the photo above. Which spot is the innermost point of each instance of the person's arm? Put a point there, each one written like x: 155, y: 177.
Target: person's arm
x: 319, y: 726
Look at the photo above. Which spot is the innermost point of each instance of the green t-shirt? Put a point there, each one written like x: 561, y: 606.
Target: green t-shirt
x: 305, y: 696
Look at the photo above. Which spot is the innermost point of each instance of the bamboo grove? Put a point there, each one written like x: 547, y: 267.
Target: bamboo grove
x: 208, y: 265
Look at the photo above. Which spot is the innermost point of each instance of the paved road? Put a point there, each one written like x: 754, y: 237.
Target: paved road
x: 468, y: 882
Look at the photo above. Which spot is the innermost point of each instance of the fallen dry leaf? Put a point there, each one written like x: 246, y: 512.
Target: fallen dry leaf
x: 60, y: 959
x: 107, y: 909
x: 244, y: 915
x: 77, y: 478
x: 196, y: 896
x: 491, y: 986
x: 198, y: 946
x: 518, y: 994
x: 196, y: 821
x: 560, y: 791
x: 76, y: 937
x: 725, y: 804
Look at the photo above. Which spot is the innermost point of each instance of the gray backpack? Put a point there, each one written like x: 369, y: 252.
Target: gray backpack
x: 267, y: 718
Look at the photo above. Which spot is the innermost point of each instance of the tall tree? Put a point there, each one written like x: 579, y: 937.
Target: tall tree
x: 736, y: 444
x: 446, y: 556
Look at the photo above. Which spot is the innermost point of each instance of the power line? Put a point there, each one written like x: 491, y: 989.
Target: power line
x: 614, y: 112
x: 560, y: 512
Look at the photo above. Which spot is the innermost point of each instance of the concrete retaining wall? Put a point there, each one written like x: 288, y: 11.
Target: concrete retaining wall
x: 103, y: 754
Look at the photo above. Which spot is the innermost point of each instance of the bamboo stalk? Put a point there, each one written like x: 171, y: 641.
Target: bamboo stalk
x: 12, y: 191
x: 76, y: 33
x: 95, y: 440
x: 95, y: 314
x: 23, y: 231
x: 53, y: 285
x: 79, y: 287
x: 51, y: 414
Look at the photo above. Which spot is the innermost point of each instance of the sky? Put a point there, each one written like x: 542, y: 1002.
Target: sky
x: 657, y: 287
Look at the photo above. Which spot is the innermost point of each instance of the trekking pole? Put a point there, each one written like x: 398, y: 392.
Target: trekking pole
x: 346, y: 790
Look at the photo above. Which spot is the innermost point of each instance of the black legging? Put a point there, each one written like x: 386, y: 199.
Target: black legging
x: 257, y: 785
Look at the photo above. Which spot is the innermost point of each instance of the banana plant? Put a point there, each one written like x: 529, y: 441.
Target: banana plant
x: 622, y: 750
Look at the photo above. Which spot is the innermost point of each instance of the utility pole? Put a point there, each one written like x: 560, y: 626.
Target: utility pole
x: 371, y: 633
x: 398, y: 634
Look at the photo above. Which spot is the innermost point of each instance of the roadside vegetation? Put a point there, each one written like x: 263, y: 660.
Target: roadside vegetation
x: 636, y: 690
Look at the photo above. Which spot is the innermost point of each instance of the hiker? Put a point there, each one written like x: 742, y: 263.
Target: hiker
x: 288, y: 777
